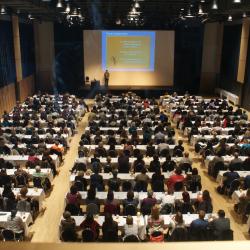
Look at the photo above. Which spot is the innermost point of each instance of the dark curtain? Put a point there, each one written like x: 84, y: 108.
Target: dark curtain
x: 7, y: 58
x: 68, y: 65
x: 230, y: 59
x: 188, y: 57
x: 27, y: 44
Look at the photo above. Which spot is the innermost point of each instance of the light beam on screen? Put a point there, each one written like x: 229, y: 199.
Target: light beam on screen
x: 128, y: 50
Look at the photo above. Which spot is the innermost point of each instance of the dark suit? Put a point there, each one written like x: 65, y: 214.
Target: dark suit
x: 219, y: 225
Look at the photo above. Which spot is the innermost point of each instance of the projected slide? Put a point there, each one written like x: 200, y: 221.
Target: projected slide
x: 128, y: 50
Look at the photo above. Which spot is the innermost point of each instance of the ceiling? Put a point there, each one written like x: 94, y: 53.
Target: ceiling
x: 157, y: 14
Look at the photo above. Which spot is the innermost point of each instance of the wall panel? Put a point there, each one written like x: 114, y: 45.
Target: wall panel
x: 7, y: 98
x: 26, y: 87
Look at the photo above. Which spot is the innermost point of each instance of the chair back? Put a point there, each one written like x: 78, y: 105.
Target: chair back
x: 23, y: 206
x: 178, y: 186
x: 226, y: 235
x: 186, y: 167
x: 126, y: 186
x: 68, y: 235
x: 92, y: 208
x: 21, y: 181
x: 73, y: 209
x: 131, y: 238
x: 88, y: 235
x: 130, y: 209
x: 164, y: 152
x: 37, y: 181
x: 8, y: 235
x: 179, y: 234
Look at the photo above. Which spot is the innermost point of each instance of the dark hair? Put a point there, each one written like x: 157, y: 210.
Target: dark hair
x: 108, y: 219
x: 178, y: 171
x: 73, y: 189
x: 186, y: 197
x: 194, y: 171
x: 91, y: 193
x: 206, y: 195
x: 130, y: 195
x: 143, y: 171
x: 89, y: 218
x: 221, y: 213
x: 110, y: 195
x: 231, y: 167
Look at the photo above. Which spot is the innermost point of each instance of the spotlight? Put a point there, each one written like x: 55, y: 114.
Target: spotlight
x: 3, y: 11
x: 230, y: 18
x: 137, y: 5
x: 59, y: 4
x: 215, y: 5
x: 67, y: 8
x: 237, y: 1
x: 244, y: 15
x: 200, y: 12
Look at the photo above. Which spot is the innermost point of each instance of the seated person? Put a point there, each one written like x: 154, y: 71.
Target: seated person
x: 229, y: 177
x: 67, y: 222
x: 185, y: 159
x: 244, y: 200
x: 194, y: 181
x: 204, y: 202
x: 130, y: 200
x: 173, y: 179
x: 155, y: 221
x: 142, y: 179
x: 114, y: 182
x: 168, y: 165
x: 80, y: 182
x: 148, y: 202
x: 179, y: 146
x: 91, y: 197
x: 96, y: 180
x: 184, y: 205
x: 200, y: 224
x: 15, y: 223
x: 139, y: 163
x: 109, y: 229
x: 157, y: 181
x: 220, y: 224
x: 154, y: 164
x: 90, y: 223
x: 130, y: 228
x: 176, y: 222
x: 111, y: 205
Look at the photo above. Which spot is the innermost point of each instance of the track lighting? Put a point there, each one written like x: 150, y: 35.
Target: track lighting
x: 59, y: 4
x: 215, y: 5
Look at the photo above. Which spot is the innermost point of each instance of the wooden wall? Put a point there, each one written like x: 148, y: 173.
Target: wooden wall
x: 26, y: 87
x: 7, y: 98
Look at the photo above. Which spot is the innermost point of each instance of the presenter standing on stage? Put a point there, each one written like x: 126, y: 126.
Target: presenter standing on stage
x: 106, y: 78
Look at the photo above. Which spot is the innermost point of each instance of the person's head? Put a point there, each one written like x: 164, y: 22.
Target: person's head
x: 236, y: 155
x: 115, y: 173
x: 66, y: 215
x: 110, y: 195
x: 178, y: 218
x: 186, y: 154
x: 13, y: 213
x: 91, y: 193
x: 155, y: 213
x: 178, y: 171
x: 143, y: 171
x: 186, y: 197
x: 150, y: 194
x: 155, y: 157
x: 202, y: 214
x: 73, y: 190
x: 206, y: 195
x: 38, y: 169
x: 130, y: 195
x: 108, y: 218
x: 100, y: 144
x: 221, y: 213
x: 194, y: 171
x: 231, y: 167
x: 89, y: 218
x: 180, y: 142
x: 23, y: 191
x: 129, y: 220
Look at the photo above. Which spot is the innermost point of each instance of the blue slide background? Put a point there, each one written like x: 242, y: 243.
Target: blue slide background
x: 106, y: 34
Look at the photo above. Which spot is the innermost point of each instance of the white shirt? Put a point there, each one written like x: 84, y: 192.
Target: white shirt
x: 131, y: 229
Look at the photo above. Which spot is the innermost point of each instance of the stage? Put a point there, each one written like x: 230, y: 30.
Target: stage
x: 88, y: 91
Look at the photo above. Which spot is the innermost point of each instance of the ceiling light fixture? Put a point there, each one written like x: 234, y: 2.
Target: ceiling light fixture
x: 137, y: 5
x: 230, y: 18
x: 237, y: 1
x: 3, y: 11
x: 59, y: 4
x: 244, y: 15
x: 67, y: 8
x: 215, y: 5
x: 200, y: 12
